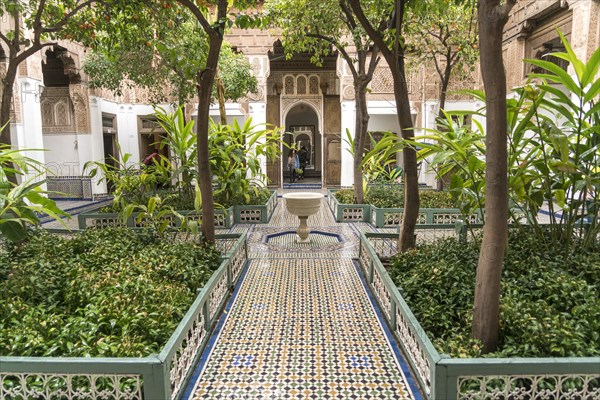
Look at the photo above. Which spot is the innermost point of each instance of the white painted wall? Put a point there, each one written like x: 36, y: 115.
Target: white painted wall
x: 62, y: 157
x: 258, y: 113
x: 348, y: 123
x: 233, y: 111
x: 28, y: 135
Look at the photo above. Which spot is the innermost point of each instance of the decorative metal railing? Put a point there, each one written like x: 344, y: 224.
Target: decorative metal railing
x: 442, y: 377
x: 390, y: 217
x: 348, y: 212
x: 95, y: 219
x: 69, y: 187
x: 155, y: 377
x: 259, y: 214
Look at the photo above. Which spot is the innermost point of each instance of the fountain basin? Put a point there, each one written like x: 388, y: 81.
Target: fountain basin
x: 303, y: 205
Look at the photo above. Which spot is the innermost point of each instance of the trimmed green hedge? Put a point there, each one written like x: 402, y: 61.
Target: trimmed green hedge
x: 392, y: 196
x: 108, y: 292
x: 550, y: 305
x: 181, y: 202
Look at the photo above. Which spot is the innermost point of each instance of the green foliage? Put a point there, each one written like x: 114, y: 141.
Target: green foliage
x: 109, y: 293
x: 235, y: 160
x: 162, y: 50
x: 379, y: 163
x: 560, y: 163
x: 181, y: 142
x: 458, y: 150
x: 132, y: 183
x: 442, y: 33
x: 314, y: 26
x: 392, y: 196
x: 236, y: 73
x: 549, y: 305
x: 554, y: 152
x: 20, y: 204
x: 155, y: 215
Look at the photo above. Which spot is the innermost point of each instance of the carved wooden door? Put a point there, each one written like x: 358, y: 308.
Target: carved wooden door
x: 333, y: 161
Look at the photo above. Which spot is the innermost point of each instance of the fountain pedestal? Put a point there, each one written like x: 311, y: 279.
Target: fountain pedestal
x: 303, y: 205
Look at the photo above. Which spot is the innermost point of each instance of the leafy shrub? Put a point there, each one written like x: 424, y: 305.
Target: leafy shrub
x: 181, y: 201
x: 110, y: 293
x: 392, y: 196
x: 385, y: 196
x: 549, y: 303
x: 345, y: 196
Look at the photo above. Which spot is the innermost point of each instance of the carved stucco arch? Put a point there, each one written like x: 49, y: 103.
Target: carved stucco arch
x: 288, y: 105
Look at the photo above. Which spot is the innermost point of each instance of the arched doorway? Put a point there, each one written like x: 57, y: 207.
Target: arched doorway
x: 302, y: 129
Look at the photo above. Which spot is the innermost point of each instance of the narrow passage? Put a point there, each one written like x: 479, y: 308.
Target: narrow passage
x: 302, y: 326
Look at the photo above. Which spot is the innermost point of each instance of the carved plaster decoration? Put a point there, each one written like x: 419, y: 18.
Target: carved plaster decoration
x: 78, y: 94
x: 259, y: 95
x: 287, y: 103
x: 348, y: 93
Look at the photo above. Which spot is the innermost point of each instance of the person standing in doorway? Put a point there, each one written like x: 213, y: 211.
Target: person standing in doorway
x: 303, y: 157
x: 293, y: 163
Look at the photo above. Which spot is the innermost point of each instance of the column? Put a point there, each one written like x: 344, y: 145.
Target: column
x: 258, y: 113
x: 348, y: 123
x: 29, y: 134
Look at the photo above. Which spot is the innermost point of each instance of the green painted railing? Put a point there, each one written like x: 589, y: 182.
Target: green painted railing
x: 391, y: 217
x: 161, y: 376
x: 348, y: 212
x: 442, y: 377
x: 421, y: 353
x: 95, y: 219
x: 258, y: 214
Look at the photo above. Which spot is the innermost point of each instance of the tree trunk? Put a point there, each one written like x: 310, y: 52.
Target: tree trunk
x: 221, y: 97
x: 445, y: 80
x: 406, y: 239
x: 486, y: 310
x: 395, y: 60
x: 7, y: 98
x: 205, y: 80
x: 360, y: 137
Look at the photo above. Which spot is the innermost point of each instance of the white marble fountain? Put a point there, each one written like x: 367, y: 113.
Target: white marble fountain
x: 303, y: 205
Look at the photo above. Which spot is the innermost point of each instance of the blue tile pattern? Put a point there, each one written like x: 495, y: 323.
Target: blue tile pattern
x: 301, y: 325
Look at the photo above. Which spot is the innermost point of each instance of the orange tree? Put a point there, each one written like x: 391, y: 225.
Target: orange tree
x: 142, y: 21
x: 383, y: 21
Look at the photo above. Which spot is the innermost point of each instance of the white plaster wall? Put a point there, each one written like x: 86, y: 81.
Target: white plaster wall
x: 29, y: 134
x: 348, y: 123
x: 92, y: 145
x: 258, y: 113
x: 232, y: 110
x: 62, y: 157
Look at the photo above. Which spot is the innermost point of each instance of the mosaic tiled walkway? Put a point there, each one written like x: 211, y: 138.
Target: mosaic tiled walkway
x: 301, y: 325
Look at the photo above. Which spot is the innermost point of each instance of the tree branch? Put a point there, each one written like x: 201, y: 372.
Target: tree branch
x: 31, y: 51
x: 374, y: 61
x: 198, y: 14
x: 60, y: 24
x: 504, y: 9
x: 373, y: 34
x: 438, y: 68
x: 38, y: 14
x: 5, y: 39
x: 340, y: 48
x: 17, y: 29
x: 351, y: 22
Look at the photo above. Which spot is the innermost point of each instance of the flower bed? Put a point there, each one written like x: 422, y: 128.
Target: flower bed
x: 443, y: 377
x: 97, y: 295
x: 386, y: 210
x: 224, y: 218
